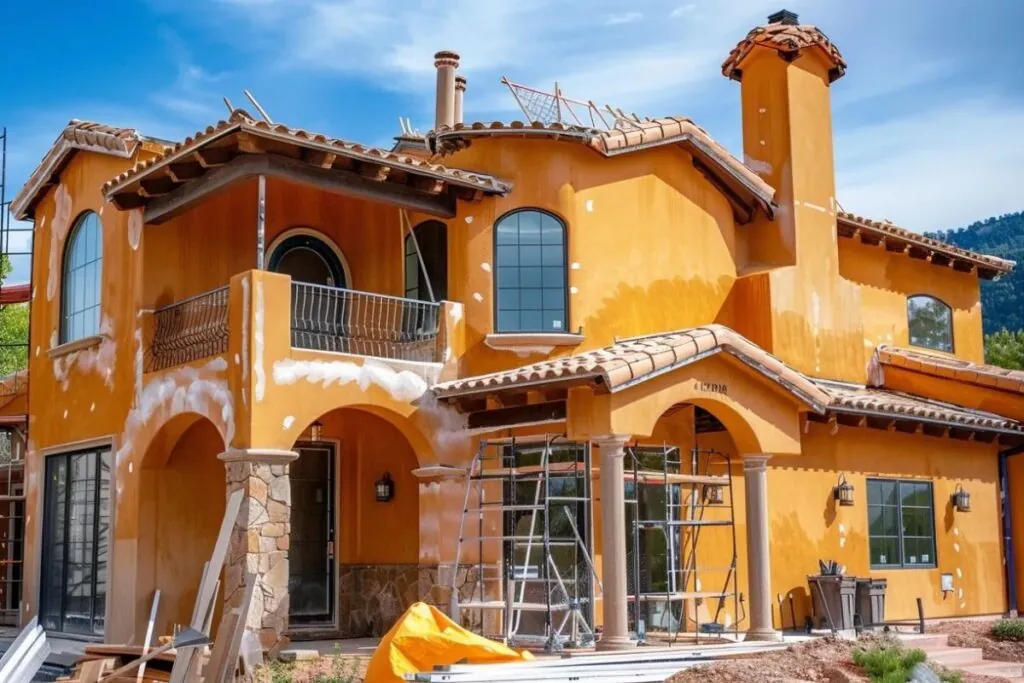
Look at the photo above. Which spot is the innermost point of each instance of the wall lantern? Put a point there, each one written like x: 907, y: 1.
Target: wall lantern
x: 961, y: 499
x: 316, y: 431
x: 843, y: 491
x: 385, y: 488
x: 714, y: 494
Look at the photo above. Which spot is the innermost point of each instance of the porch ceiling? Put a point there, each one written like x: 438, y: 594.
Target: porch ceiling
x: 243, y: 147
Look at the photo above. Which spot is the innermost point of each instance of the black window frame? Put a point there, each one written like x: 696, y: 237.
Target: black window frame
x: 68, y: 269
x: 564, y: 265
x: 950, y: 331
x: 901, y: 536
x: 103, y: 470
x: 432, y: 238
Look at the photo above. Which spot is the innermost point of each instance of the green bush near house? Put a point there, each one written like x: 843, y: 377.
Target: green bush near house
x: 1008, y: 629
x: 893, y: 664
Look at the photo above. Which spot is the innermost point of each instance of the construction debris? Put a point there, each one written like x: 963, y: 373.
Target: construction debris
x: 25, y: 655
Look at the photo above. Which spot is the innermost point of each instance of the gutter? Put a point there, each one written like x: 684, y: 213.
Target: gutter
x: 1010, y: 565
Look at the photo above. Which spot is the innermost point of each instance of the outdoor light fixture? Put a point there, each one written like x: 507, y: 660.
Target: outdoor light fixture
x: 713, y: 494
x: 385, y: 488
x: 961, y: 499
x: 316, y: 431
x: 843, y: 491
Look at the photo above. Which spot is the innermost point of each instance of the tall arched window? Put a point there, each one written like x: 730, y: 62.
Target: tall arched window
x: 432, y: 238
x: 930, y: 322
x: 530, y: 271
x: 83, y: 279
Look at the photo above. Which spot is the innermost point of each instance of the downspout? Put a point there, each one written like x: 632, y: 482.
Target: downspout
x: 1009, y: 567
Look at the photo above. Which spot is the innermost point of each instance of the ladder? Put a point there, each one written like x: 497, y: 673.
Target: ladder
x: 532, y: 559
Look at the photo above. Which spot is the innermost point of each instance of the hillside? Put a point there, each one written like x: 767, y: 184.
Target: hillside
x: 1002, y: 301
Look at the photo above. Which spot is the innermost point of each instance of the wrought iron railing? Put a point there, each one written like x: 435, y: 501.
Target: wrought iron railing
x: 360, y: 323
x: 190, y: 329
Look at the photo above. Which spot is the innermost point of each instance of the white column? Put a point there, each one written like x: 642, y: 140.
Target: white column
x: 613, y: 545
x: 755, y: 474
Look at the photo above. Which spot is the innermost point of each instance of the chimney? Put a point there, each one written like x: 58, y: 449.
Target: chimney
x: 460, y: 91
x: 446, y: 63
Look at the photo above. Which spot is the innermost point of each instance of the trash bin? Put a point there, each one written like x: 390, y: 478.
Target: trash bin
x: 834, y: 601
x: 871, y: 601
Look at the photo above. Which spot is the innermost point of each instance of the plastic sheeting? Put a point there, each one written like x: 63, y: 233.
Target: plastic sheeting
x: 425, y: 637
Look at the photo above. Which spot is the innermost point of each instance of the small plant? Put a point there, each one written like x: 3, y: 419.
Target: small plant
x: 888, y: 664
x: 1008, y: 629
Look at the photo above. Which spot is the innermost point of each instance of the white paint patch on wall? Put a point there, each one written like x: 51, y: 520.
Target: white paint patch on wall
x: 756, y: 165
x: 469, y: 220
x: 134, y: 228
x: 58, y: 231
x: 288, y: 421
x: 100, y: 358
x: 485, y: 266
x: 260, y: 375
x: 959, y: 573
x: 589, y: 206
x: 139, y: 370
x: 575, y: 265
x: 574, y: 290
x: 478, y: 296
x: 401, y: 385
x: 956, y: 547
x: 238, y: 359
x: 455, y: 311
x: 92, y: 408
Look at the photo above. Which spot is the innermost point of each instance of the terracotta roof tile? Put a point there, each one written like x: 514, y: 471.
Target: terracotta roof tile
x: 950, y: 367
x: 851, y: 225
x: 240, y: 121
x: 858, y: 399
x: 789, y: 40
x: 76, y: 136
x: 632, y: 361
x: 628, y: 137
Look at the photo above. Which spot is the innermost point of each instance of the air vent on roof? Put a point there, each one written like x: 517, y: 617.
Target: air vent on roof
x: 784, y: 17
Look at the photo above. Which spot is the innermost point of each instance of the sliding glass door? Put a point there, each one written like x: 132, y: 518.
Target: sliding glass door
x: 76, y: 538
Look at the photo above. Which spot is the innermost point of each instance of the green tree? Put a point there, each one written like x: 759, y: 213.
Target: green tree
x: 1005, y: 349
x: 13, y: 329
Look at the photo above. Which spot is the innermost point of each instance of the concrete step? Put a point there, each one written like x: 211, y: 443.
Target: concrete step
x: 926, y: 642
x: 954, y: 656
x: 988, y: 667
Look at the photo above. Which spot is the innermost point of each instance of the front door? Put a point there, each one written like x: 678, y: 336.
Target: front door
x: 311, y: 558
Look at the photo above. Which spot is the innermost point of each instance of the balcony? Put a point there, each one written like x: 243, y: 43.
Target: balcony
x: 325, y: 319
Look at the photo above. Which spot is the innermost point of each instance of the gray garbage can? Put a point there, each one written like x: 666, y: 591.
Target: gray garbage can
x: 834, y: 598
x: 871, y: 601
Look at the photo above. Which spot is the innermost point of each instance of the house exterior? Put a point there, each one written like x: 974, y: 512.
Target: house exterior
x: 336, y: 329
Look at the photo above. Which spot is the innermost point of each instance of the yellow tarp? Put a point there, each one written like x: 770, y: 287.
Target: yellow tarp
x: 424, y: 638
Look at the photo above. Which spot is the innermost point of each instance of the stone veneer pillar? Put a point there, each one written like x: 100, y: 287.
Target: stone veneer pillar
x: 613, y: 545
x: 260, y: 540
x: 755, y: 475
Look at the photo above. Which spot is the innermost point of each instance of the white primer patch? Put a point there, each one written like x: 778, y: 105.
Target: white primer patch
x: 139, y: 371
x: 590, y: 206
x: 956, y: 547
x: 245, y: 340
x: 756, y: 165
x: 58, y: 231
x: 960, y: 593
x: 131, y: 467
x: 816, y: 207
x: 574, y: 290
x: 485, y: 266
x: 455, y: 311
x: 402, y: 385
x: 288, y: 421
x: 762, y: 110
x: 842, y: 528
x: 260, y: 387
x: 238, y: 360
x: 65, y: 413
x: 92, y: 408
x: 469, y: 219
x: 956, y: 531
x: 478, y: 296
x: 763, y: 143
x: 37, y: 352
x: 575, y: 265
x: 959, y: 574
x: 842, y: 541
x: 100, y: 358
x: 134, y: 228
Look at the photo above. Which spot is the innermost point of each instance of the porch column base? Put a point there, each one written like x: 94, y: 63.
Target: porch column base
x: 260, y: 541
x: 615, y: 644
x: 762, y: 636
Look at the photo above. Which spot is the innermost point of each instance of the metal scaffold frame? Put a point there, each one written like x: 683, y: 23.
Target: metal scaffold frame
x: 559, y: 511
x: 684, y: 512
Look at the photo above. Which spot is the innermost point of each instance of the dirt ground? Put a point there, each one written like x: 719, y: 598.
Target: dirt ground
x: 825, y: 660
x: 978, y: 634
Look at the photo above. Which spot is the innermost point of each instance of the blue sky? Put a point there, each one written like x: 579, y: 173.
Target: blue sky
x: 928, y: 122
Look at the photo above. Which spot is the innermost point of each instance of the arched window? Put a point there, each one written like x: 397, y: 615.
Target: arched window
x: 530, y: 272
x: 306, y: 257
x: 930, y: 322
x: 82, y: 279
x: 432, y: 238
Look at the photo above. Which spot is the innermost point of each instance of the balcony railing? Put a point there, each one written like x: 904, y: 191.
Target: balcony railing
x: 360, y: 323
x: 188, y: 330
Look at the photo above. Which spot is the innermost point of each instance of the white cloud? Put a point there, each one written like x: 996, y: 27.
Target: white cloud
x: 936, y: 168
x: 682, y: 10
x: 624, y: 18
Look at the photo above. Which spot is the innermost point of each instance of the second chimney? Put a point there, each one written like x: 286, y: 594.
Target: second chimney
x: 446, y: 63
x: 460, y: 92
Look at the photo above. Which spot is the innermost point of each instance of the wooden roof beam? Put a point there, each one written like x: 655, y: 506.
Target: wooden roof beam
x: 213, y: 157
x: 320, y: 158
x: 184, y: 172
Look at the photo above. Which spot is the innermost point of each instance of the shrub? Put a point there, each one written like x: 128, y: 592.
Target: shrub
x: 888, y: 664
x: 1008, y: 629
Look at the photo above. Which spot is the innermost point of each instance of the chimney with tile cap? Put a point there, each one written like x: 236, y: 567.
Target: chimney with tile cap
x: 460, y: 92
x: 446, y: 62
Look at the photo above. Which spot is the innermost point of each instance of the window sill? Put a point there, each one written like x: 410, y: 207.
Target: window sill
x: 76, y: 345
x: 517, y: 341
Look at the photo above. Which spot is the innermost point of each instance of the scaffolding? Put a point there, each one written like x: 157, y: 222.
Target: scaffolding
x: 669, y: 508
x: 527, y: 517
x: 16, y: 250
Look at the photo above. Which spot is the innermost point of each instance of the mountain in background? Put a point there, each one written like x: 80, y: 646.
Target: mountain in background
x: 1002, y: 301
